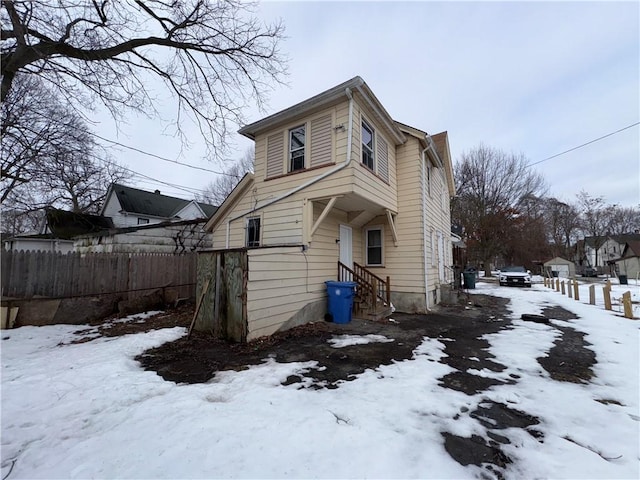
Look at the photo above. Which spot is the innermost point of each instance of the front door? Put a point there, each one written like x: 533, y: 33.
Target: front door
x: 346, y: 246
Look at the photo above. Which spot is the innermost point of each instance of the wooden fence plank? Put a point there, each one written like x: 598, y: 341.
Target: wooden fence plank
x: 25, y: 274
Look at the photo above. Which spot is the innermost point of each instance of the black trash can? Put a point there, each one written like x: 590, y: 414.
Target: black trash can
x: 469, y: 276
x: 555, y: 273
x: 623, y: 280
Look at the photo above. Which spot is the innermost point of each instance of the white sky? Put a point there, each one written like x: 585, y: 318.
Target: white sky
x: 538, y: 78
x: 89, y: 410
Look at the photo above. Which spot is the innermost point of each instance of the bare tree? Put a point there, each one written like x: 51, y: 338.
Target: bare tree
x: 492, y: 187
x: 218, y: 190
x: 623, y: 220
x: 213, y: 56
x: 35, y: 128
x: 594, y: 219
x: 49, y: 158
x: 562, y: 224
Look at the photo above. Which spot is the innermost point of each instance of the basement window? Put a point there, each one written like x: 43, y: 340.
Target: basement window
x: 253, y: 232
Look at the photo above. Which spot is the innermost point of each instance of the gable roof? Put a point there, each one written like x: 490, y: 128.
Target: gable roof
x: 626, y: 238
x: 441, y: 147
x: 134, y: 200
x: 631, y: 249
x: 593, y: 241
x: 326, y: 98
x: 228, y: 203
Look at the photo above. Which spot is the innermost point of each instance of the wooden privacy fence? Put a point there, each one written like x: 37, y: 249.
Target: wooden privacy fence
x: 26, y: 274
x: 222, y: 293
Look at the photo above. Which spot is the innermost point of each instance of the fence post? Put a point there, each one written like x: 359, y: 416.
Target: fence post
x: 576, y: 290
x: 606, y: 290
x: 562, y: 287
x: 557, y: 284
x: 626, y: 302
x: 569, y: 292
x: 592, y: 295
x: 388, y: 292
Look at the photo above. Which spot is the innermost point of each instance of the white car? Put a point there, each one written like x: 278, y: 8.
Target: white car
x: 515, y: 276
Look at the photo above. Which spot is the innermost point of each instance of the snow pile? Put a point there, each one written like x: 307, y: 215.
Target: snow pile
x: 88, y: 410
x: 341, y: 341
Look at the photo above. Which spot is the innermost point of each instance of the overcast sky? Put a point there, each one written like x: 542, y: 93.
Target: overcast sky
x: 535, y: 78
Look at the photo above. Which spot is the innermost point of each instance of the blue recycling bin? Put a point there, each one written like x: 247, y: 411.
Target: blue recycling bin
x: 340, y: 300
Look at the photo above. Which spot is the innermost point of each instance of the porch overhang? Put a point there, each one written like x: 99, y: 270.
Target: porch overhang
x: 359, y: 210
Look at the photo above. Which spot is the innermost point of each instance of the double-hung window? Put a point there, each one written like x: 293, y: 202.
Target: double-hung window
x: 367, y: 145
x: 373, y: 238
x: 296, y: 148
x: 253, y: 232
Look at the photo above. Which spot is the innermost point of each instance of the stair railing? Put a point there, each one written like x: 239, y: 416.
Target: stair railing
x: 369, y: 285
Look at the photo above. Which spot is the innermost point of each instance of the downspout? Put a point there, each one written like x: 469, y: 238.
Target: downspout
x: 313, y: 180
x: 424, y: 228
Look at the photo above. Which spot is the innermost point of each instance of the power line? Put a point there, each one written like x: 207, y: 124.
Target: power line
x: 135, y: 149
x: 583, y: 145
x: 176, y: 162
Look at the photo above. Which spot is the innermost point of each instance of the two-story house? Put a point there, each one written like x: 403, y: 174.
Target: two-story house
x: 339, y: 191
x: 602, y: 252
x: 128, y: 207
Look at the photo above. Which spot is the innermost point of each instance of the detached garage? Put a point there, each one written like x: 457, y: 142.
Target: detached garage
x: 564, y: 268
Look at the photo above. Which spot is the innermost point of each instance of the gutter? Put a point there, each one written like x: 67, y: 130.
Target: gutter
x: 424, y: 227
x: 349, y: 94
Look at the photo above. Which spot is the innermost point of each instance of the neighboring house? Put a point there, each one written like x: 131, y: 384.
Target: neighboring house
x: 609, y: 248
x: 629, y: 263
x: 59, y: 227
x: 339, y: 190
x: 166, y: 237
x: 129, y: 207
x: 564, y: 268
x: 591, y: 245
x: 44, y: 242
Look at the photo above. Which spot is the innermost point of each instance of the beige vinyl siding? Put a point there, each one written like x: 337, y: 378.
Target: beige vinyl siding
x: 282, y: 223
x: 324, y: 120
x: 382, y: 150
x: 237, y: 227
x: 275, y: 155
x: 321, y: 141
x: 438, y: 222
x: 283, y: 280
x: 369, y: 184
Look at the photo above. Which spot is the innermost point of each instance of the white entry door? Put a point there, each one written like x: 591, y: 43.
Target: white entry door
x: 346, y: 246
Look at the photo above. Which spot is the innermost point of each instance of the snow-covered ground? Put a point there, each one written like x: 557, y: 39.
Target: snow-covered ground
x: 89, y: 411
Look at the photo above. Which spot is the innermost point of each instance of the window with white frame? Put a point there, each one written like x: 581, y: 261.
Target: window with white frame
x: 367, y: 145
x: 374, y: 244
x: 296, y: 148
x: 253, y: 232
x: 143, y: 221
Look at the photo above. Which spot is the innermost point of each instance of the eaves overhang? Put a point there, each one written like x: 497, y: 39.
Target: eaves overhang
x: 356, y: 84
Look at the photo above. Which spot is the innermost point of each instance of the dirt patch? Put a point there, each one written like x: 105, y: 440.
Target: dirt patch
x: 198, y: 359
x: 460, y: 327
x: 115, y: 326
x: 570, y: 359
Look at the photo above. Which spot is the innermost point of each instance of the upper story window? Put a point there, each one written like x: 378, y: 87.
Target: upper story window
x: 253, y: 232
x: 296, y: 148
x: 367, y: 145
